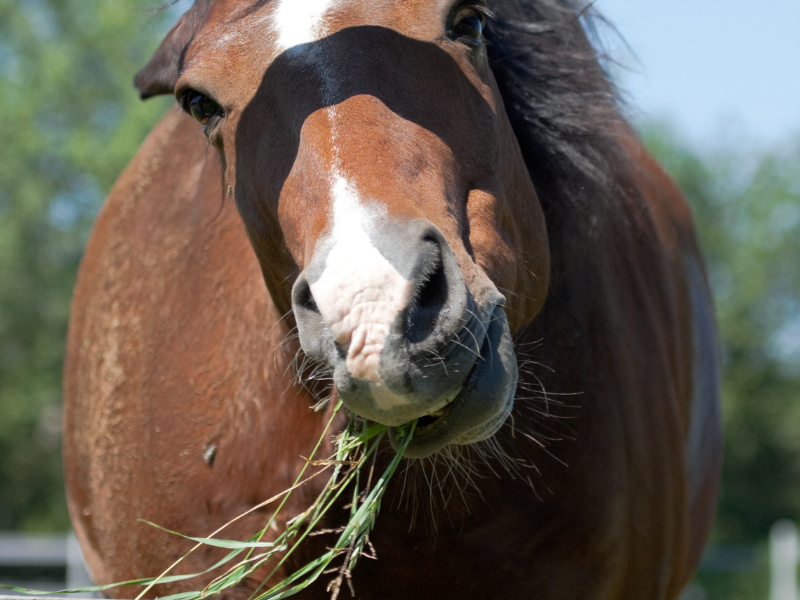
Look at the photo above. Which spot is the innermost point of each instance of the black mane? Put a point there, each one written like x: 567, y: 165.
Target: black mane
x: 566, y: 115
x: 559, y: 99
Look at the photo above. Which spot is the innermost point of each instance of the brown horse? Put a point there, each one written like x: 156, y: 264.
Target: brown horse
x: 453, y: 218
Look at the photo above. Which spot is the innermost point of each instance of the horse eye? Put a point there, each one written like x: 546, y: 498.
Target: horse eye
x: 468, y: 25
x: 200, y: 106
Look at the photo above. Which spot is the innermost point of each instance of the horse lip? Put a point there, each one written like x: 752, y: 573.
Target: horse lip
x: 443, y: 407
x: 448, y: 400
x: 438, y: 413
x: 499, y: 400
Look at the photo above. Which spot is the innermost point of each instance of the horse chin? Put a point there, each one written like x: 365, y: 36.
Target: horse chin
x: 483, y: 404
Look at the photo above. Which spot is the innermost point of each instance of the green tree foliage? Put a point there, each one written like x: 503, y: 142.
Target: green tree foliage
x: 71, y: 120
x: 747, y: 210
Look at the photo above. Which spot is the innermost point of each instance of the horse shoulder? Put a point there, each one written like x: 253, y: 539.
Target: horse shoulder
x: 174, y: 366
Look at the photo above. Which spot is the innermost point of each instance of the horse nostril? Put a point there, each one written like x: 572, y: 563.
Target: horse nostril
x: 303, y: 298
x: 315, y: 338
x: 430, y: 295
x: 432, y: 292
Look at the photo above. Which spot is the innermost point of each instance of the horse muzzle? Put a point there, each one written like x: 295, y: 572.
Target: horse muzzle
x: 387, y: 309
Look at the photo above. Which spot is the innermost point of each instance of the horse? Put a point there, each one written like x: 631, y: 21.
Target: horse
x: 429, y: 210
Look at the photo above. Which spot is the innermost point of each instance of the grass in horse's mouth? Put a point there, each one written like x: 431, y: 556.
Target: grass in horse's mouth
x: 356, y: 446
x: 351, y: 470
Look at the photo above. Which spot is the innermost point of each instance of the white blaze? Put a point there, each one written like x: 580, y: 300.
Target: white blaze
x: 359, y: 293
x: 301, y: 21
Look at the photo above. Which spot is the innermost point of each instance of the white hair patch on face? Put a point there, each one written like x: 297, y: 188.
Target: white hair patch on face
x: 301, y: 21
x: 359, y: 293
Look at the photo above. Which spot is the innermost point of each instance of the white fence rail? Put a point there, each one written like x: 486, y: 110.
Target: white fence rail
x: 43, y: 551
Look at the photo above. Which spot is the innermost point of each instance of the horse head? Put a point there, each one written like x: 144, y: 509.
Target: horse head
x: 369, y: 154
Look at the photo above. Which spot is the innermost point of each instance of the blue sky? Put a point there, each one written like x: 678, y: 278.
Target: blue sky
x: 718, y: 70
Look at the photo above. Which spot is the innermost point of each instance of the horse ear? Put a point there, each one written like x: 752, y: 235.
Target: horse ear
x: 160, y: 75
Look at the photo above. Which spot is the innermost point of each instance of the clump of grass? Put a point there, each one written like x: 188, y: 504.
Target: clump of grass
x: 355, y: 446
x: 352, y: 468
